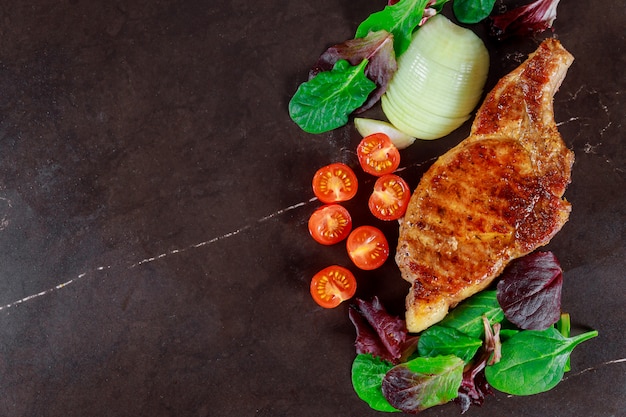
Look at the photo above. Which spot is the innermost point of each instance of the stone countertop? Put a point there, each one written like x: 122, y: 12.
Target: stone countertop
x: 154, y: 194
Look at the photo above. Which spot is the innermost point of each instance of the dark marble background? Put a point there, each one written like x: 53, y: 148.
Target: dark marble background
x: 154, y: 257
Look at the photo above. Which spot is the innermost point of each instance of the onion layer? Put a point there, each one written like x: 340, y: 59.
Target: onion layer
x: 439, y: 81
x: 368, y: 127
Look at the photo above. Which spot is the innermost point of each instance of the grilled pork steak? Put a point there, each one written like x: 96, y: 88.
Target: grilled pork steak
x: 494, y: 197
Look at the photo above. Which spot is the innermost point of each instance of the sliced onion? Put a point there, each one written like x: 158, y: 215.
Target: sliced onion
x: 368, y: 127
x: 439, y: 81
x: 419, y: 123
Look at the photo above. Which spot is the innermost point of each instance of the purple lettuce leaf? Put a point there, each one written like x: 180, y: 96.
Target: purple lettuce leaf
x: 379, y: 333
x: 526, y: 20
x: 377, y: 48
x: 423, y: 382
x: 529, y: 291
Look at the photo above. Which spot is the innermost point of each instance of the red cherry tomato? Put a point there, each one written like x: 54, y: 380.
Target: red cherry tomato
x: 378, y: 155
x: 334, y: 183
x: 390, y: 197
x: 330, y: 224
x: 333, y: 285
x: 367, y: 247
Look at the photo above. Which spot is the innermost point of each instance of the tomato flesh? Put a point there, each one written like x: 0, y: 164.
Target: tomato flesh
x: 390, y: 197
x: 333, y: 285
x: 330, y: 224
x: 334, y: 183
x: 367, y: 247
x: 378, y: 155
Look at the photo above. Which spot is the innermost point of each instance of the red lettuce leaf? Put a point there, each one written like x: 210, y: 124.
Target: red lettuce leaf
x: 379, y: 333
x: 377, y: 48
x: 525, y: 20
x: 423, y: 382
x: 529, y: 291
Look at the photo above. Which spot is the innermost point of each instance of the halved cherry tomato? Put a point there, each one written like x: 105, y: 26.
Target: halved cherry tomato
x: 378, y: 155
x: 330, y: 224
x: 333, y: 285
x: 335, y: 182
x: 390, y: 197
x: 367, y: 247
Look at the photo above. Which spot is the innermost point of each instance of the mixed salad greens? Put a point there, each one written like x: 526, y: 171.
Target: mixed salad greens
x: 513, y: 339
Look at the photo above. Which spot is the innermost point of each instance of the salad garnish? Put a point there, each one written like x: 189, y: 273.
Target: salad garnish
x: 471, y: 351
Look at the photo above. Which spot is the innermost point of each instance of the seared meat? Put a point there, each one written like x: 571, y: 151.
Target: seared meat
x: 494, y: 197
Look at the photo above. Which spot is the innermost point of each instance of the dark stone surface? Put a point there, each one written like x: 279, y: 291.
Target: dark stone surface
x: 154, y: 258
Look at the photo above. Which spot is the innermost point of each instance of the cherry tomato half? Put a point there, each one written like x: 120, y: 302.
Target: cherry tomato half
x: 367, y: 247
x: 378, y: 155
x: 390, y: 197
x: 334, y: 183
x: 330, y: 224
x: 333, y: 285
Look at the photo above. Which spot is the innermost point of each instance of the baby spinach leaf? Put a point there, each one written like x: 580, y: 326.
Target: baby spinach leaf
x: 400, y: 19
x: 467, y: 317
x: 529, y: 291
x: 472, y: 11
x: 506, y: 334
x: 422, y: 383
x: 325, y: 102
x: 533, y: 361
x: 367, y: 376
x: 438, y: 340
x: 377, y: 48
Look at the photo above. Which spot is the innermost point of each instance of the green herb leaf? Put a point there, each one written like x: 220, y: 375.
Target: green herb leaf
x: 506, y: 334
x: 400, y: 19
x: 422, y: 383
x: 438, y: 340
x: 533, y: 361
x: 467, y: 317
x: 325, y: 102
x: 472, y: 11
x: 367, y: 376
x: 564, y: 327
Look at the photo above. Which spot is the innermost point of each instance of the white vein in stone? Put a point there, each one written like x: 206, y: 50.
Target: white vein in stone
x: 82, y: 275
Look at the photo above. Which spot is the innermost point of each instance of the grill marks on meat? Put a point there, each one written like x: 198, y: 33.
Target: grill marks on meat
x: 494, y: 197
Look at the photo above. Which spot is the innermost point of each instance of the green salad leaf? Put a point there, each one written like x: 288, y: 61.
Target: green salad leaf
x: 400, y: 19
x: 367, y: 377
x: 472, y: 11
x: 438, y: 340
x: 467, y: 317
x: 325, y: 102
x: 564, y: 327
x: 533, y: 361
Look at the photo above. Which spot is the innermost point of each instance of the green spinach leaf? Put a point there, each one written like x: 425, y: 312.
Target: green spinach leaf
x: 400, y: 19
x: 325, y: 102
x: 367, y: 376
x: 422, y: 383
x: 472, y: 11
x: 533, y: 361
x: 438, y: 340
x: 467, y: 317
